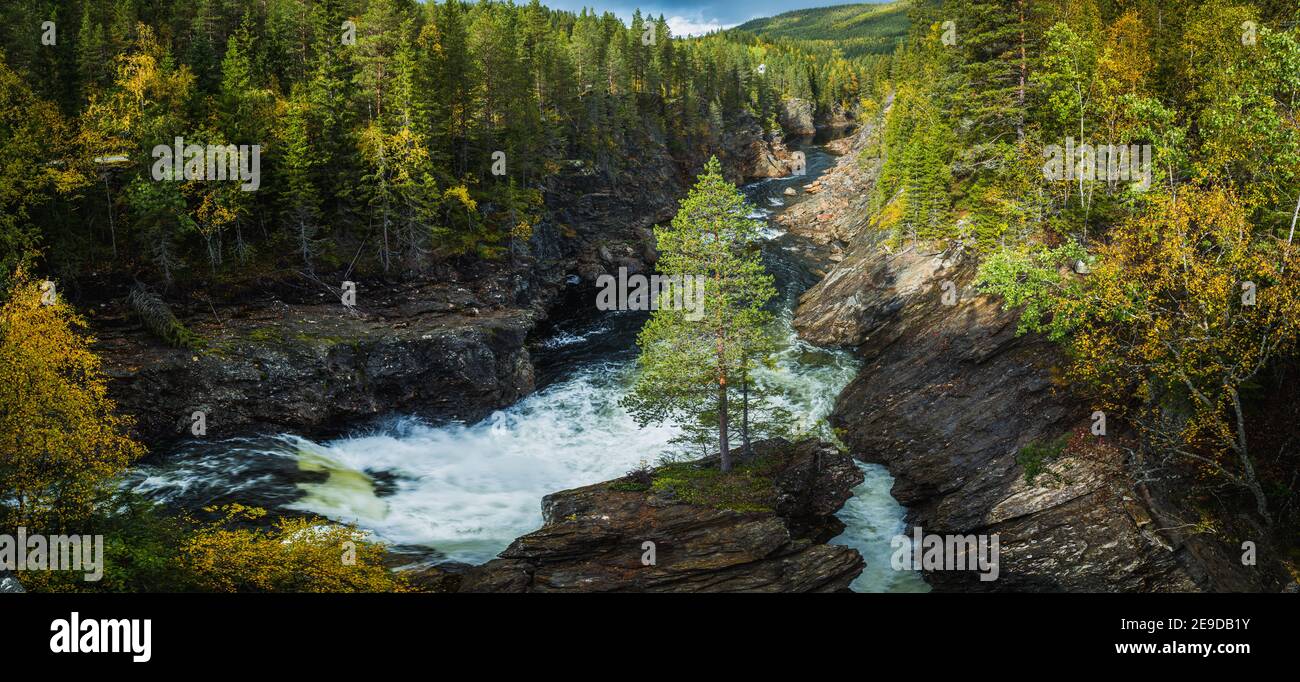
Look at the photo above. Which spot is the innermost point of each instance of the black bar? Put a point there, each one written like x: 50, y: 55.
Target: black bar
x: 664, y: 633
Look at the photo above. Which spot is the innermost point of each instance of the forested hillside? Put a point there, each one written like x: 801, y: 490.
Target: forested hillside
x: 854, y: 30
x: 392, y: 133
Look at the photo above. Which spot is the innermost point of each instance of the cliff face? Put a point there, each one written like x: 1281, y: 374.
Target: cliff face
x: 592, y: 537
x: 317, y: 368
x: 452, y: 344
x: 748, y: 154
x: 948, y: 396
x: 796, y: 116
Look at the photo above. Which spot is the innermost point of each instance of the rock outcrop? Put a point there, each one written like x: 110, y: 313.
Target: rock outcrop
x: 9, y: 583
x: 592, y: 537
x: 947, y: 398
x: 318, y: 368
x: 865, y: 292
x: 749, y: 154
x: 796, y: 116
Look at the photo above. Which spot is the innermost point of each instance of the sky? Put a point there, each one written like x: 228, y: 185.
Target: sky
x: 691, y: 17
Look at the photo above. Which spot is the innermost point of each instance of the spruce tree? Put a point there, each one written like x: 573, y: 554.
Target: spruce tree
x: 301, y: 201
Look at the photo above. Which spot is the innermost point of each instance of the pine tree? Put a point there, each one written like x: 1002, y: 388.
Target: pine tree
x: 414, y: 185
x: 925, y: 183
x: 202, y: 52
x: 449, y: 68
x: 997, y: 38
x: 379, y: 34
x: 687, y: 367
x: 92, y: 58
x: 332, y: 108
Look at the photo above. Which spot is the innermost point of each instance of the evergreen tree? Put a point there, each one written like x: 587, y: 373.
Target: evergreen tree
x: 331, y: 96
x: 300, y: 201
x: 997, y: 38
x: 92, y: 54
x: 690, y: 367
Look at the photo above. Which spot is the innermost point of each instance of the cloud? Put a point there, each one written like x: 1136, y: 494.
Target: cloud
x: 694, y: 26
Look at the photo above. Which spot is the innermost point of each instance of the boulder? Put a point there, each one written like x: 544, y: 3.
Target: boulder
x: 796, y: 117
x: 594, y: 539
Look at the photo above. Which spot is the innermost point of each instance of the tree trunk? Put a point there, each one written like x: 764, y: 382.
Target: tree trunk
x: 112, y: 229
x: 1289, y: 236
x: 1252, y: 481
x: 1024, y: 76
x: 723, y: 444
x: 744, y: 416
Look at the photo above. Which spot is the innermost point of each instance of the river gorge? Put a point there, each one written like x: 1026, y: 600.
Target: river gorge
x: 461, y: 492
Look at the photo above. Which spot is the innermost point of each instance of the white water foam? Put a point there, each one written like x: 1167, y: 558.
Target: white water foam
x: 469, y: 490
x: 871, y: 519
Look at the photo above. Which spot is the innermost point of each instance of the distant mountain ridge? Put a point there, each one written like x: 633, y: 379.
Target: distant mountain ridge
x: 857, y: 29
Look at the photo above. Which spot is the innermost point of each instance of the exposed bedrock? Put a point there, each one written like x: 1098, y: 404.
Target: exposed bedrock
x: 592, y: 538
x: 948, y: 396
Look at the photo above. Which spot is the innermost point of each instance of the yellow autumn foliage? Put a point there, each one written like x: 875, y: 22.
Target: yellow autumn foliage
x: 1186, y: 306
x: 292, y: 555
x: 61, y: 443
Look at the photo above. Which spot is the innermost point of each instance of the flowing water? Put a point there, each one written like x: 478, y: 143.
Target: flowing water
x: 463, y: 492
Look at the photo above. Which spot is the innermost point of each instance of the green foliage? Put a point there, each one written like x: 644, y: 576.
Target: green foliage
x: 148, y: 549
x: 925, y: 179
x: 746, y: 488
x: 33, y: 138
x: 61, y: 442
x: 1035, y: 457
x: 377, y: 155
x: 637, y: 480
x: 692, y: 363
x: 291, y: 555
x: 141, y: 551
x: 855, y: 30
x: 1030, y: 278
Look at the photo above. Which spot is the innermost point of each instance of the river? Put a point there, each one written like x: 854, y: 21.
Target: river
x: 462, y: 492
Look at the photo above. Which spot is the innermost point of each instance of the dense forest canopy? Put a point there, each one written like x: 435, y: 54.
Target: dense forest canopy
x: 392, y: 133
